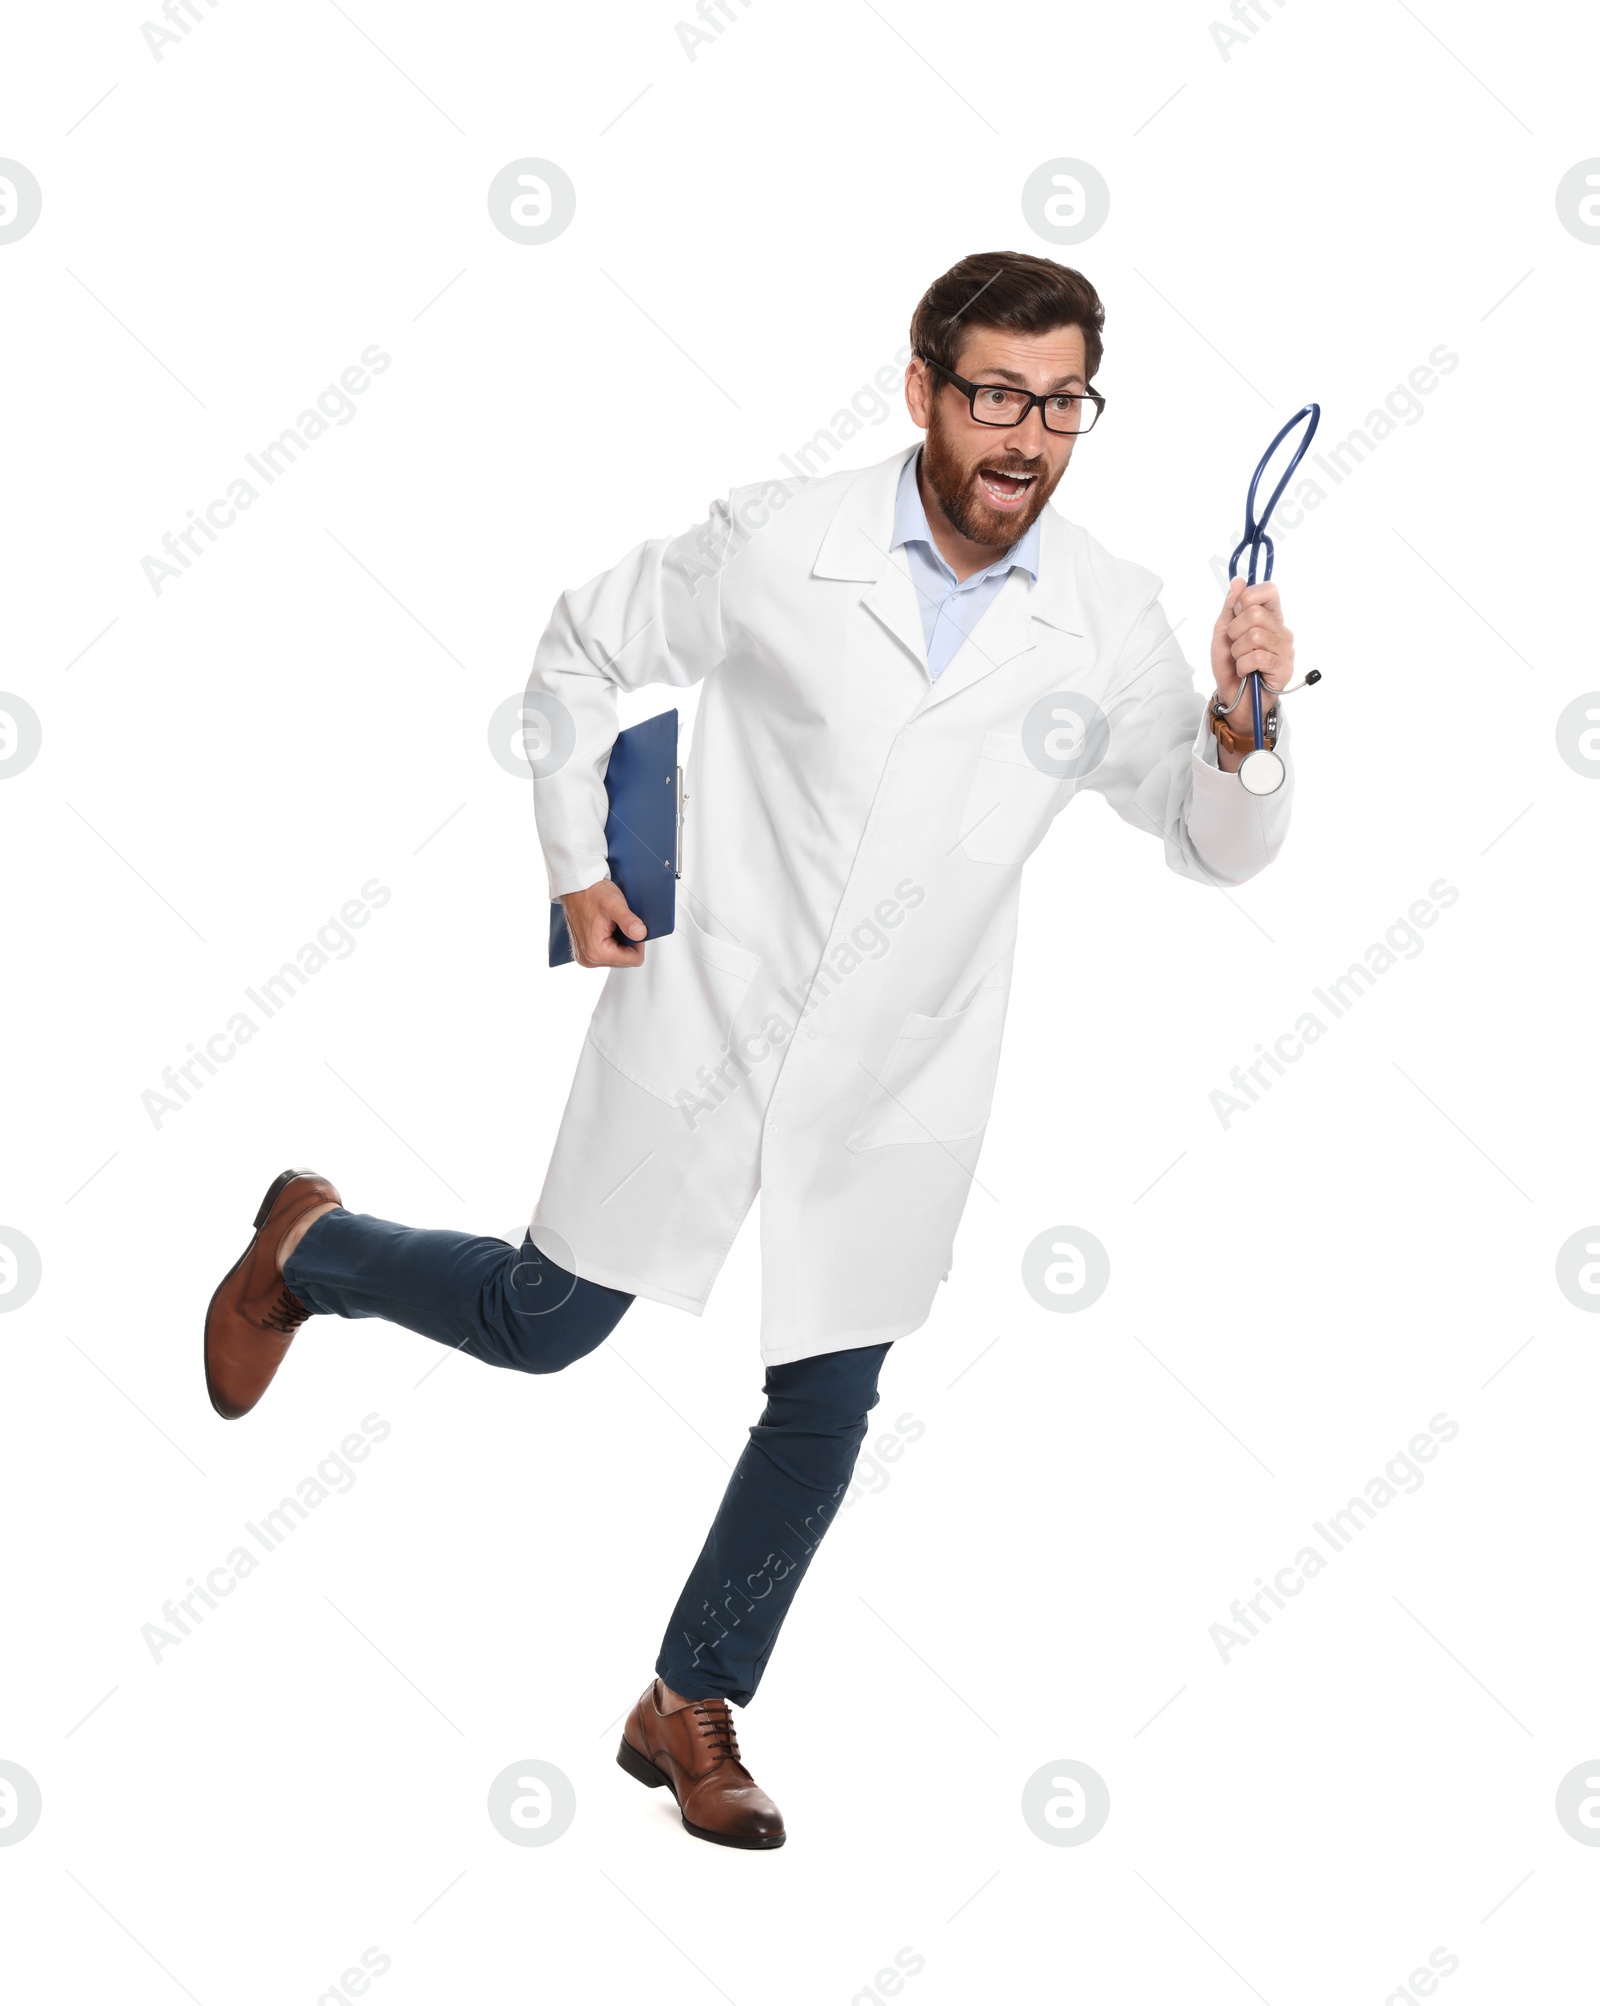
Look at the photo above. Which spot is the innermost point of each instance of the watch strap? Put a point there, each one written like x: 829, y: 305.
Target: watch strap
x: 1241, y: 741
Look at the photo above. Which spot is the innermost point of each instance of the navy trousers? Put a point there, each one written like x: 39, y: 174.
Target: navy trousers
x: 513, y: 1307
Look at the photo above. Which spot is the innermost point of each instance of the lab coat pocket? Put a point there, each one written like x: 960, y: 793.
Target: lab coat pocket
x: 1010, y: 803
x: 937, y: 1080
x: 660, y: 1023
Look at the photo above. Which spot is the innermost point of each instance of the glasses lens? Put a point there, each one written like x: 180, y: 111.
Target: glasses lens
x: 994, y: 405
x: 1070, y: 414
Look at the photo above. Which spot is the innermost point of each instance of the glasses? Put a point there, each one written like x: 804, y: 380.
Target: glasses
x: 999, y: 404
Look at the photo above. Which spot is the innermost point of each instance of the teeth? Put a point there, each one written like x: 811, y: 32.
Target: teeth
x: 994, y: 473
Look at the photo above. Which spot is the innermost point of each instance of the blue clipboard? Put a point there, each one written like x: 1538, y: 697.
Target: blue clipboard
x: 644, y: 828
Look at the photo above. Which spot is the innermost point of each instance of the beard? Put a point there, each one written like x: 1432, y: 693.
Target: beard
x: 960, y: 494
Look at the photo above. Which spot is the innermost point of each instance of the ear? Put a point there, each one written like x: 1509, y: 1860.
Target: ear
x: 919, y: 391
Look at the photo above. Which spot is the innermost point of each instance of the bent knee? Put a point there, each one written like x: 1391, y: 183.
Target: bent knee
x: 541, y: 1364
x: 543, y: 1352
x: 538, y: 1331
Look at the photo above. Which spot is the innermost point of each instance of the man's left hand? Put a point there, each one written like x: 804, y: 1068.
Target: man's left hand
x: 1250, y: 637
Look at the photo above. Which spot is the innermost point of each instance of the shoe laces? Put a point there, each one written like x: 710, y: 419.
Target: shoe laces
x: 715, y: 1722
x: 287, y: 1313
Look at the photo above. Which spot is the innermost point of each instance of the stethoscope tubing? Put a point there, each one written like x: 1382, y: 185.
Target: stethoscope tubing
x: 1256, y: 539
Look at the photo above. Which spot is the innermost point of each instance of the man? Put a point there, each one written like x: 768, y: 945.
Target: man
x: 909, y: 670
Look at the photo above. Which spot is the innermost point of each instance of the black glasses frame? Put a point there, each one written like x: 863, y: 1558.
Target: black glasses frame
x: 970, y: 392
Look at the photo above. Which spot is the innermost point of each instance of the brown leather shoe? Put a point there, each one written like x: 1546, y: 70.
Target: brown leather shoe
x: 695, y: 1753
x: 253, y: 1317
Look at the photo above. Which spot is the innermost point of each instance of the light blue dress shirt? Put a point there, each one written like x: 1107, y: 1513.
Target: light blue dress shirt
x: 950, y: 610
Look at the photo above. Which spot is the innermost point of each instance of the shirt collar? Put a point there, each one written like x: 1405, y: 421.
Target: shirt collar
x: 911, y: 526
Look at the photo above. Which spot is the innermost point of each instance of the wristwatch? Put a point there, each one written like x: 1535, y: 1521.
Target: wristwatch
x: 1241, y: 741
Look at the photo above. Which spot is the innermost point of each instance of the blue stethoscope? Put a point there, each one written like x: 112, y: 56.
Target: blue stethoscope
x: 1261, y: 771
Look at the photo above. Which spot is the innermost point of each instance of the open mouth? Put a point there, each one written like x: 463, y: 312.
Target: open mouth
x: 1006, y: 491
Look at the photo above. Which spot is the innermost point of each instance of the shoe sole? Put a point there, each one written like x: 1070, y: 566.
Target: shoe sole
x: 645, y: 1772
x: 273, y: 1189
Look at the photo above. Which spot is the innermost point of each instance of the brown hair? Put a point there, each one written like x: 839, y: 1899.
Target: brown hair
x: 1011, y: 290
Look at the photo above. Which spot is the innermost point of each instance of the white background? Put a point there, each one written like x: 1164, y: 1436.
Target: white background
x: 1292, y: 1297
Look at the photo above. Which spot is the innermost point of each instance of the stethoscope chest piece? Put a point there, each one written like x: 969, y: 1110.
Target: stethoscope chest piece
x: 1261, y: 771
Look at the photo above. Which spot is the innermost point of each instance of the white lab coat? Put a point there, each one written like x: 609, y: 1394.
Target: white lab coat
x: 825, y: 1022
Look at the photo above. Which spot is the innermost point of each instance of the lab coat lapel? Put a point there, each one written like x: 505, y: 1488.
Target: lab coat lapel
x: 856, y: 546
x: 893, y: 602
x: 1004, y: 632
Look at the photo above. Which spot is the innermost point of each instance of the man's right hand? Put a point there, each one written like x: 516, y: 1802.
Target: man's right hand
x: 593, y: 917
